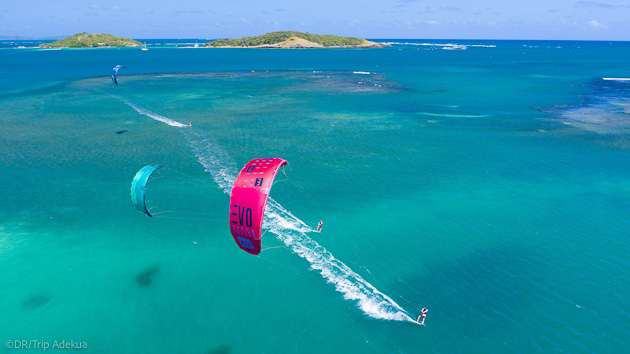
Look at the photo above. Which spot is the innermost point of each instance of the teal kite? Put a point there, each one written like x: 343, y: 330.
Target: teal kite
x: 115, y: 73
x: 139, y: 188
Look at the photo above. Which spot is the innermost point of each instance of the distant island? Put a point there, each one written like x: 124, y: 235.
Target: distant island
x: 294, y: 39
x: 92, y: 40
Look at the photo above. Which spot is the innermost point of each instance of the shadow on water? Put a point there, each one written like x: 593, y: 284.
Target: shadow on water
x: 43, y: 90
x: 221, y: 349
x: 36, y: 301
x: 145, y: 277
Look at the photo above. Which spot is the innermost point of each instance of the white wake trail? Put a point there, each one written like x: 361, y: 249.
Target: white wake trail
x: 292, y: 232
x: 152, y: 115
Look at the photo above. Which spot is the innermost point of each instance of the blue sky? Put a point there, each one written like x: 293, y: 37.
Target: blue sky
x: 426, y: 19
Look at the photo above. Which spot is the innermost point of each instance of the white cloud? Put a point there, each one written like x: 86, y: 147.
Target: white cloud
x: 450, y: 9
x: 595, y: 24
x: 189, y: 12
x: 99, y: 7
x: 594, y: 4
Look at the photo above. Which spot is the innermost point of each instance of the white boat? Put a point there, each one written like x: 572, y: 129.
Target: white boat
x: 145, y: 46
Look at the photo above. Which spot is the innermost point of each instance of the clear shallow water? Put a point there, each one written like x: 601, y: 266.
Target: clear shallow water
x: 490, y: 185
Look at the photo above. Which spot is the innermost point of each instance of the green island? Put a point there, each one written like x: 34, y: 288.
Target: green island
x: 92, y: 40
x: 294, y: 39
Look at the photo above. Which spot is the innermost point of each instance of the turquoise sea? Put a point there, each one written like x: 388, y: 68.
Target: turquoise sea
x: 486, y: 180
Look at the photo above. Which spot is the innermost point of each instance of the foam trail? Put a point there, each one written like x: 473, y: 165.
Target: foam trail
x: 293, y: 233
x: 214, y: 159
x: 152, y: 115
x: 452, y: 115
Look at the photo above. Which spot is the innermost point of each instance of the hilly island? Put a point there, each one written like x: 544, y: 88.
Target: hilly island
x: 92, y: 40
x: 294, y: 39
x: 280, y: 39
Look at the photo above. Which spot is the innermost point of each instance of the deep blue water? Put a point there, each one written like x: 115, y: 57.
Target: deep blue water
x: 486, y: 180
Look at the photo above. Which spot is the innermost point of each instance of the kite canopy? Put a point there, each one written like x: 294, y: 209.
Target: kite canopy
x: 115, y: 73
x: 248, y: 200
x: 139, y: 188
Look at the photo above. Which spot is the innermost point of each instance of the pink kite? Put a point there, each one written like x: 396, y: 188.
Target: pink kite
x: 248, y: 199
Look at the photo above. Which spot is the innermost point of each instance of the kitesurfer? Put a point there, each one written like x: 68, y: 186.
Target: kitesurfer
x: 191, y: 124
x: 423, y: 315
x: 319, y: 226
